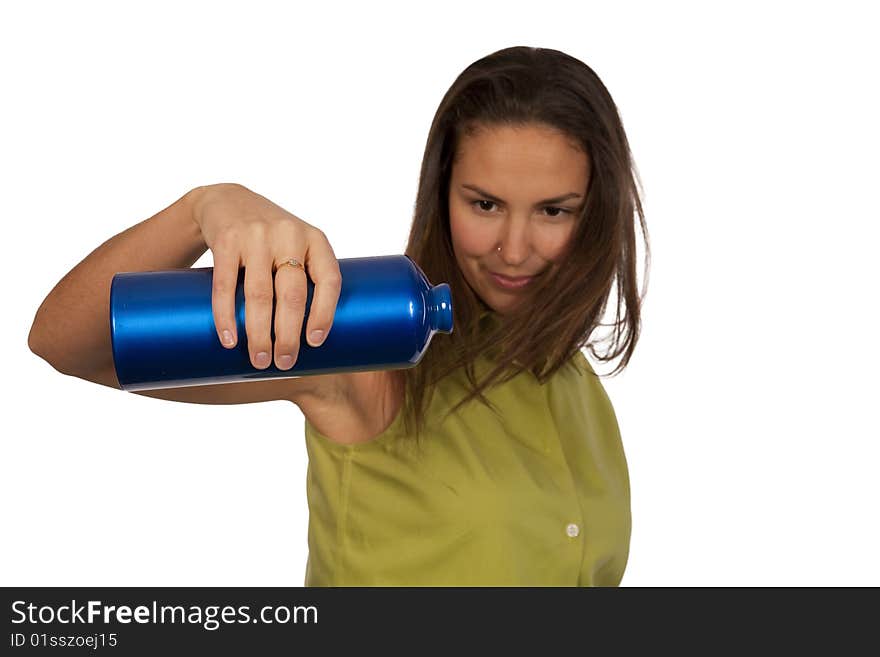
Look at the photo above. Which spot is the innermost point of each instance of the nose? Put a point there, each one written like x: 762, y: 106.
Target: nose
x: 515, y: 241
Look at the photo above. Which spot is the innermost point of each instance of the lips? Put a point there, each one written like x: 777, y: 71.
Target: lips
x: 507, y: 283
x: 512, y: 279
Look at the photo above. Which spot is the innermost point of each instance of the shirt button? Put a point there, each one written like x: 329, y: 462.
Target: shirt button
x: 572, y: 530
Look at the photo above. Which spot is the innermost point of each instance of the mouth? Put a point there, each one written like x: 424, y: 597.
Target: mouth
x: 508, y: 283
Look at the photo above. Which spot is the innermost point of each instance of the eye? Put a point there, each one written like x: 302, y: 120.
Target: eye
x: 561, y: 211
x: 554, y: 212
x: 479, y: 203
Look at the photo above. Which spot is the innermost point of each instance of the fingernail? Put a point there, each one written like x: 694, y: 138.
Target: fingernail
x: 316, y: 337
x: 285, y: 361
x: 227, y: 337
x: 262, y: 359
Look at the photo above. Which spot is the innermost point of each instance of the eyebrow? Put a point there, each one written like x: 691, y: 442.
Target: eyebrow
x: 557, y: 199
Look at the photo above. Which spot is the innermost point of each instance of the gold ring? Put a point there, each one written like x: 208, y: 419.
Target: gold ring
x: 293, y: 262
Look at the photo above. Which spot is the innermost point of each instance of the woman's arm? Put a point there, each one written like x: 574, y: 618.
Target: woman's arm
x: 71, y: 329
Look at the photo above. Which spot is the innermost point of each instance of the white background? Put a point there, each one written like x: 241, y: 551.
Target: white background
x: 747, y: 413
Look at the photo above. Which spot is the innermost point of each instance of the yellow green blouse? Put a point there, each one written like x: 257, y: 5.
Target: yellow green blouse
x: 538, y: 498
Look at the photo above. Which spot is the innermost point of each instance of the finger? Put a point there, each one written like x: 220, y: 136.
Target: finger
x: 290, y: 307
x: 259, y: 292
x: 224, y: 281
x: 323, y: 269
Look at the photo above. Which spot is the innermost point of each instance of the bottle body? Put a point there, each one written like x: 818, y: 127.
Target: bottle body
x: 163, y: 333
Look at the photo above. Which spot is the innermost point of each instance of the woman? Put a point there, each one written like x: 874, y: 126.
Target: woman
x: 497, y: 460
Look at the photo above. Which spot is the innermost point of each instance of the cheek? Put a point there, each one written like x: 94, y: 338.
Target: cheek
x: 470, y: 238
x: 552, y: 241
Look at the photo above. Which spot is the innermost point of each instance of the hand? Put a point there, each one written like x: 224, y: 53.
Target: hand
x: 245, y: 229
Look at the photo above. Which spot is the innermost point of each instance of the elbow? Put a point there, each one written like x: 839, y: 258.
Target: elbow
x: 104, y: 374
x: 34, y: 342
x: 39, y: 346
x: 37, y: 336
x: 38, y: 349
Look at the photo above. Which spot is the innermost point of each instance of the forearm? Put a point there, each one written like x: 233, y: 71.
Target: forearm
x: 71, y: 329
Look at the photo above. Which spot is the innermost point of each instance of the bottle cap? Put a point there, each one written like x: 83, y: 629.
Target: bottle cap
x: 439, y: 306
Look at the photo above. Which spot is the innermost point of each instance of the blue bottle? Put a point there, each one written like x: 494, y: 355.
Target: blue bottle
x: 163, y: 333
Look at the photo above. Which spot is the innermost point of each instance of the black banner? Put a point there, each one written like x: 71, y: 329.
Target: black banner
x: 128, y: 621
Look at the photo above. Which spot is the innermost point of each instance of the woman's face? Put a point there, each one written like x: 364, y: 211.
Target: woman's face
x: 502, y: 178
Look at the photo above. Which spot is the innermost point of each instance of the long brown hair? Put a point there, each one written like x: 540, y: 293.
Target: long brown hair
x: 523, y: 86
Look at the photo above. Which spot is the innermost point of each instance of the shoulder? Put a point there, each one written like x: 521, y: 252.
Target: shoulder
x: 582, y: 364
x: 375, y: 397
x: 357, y: 407
x: 592, y: 389
x: 579, y: 380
